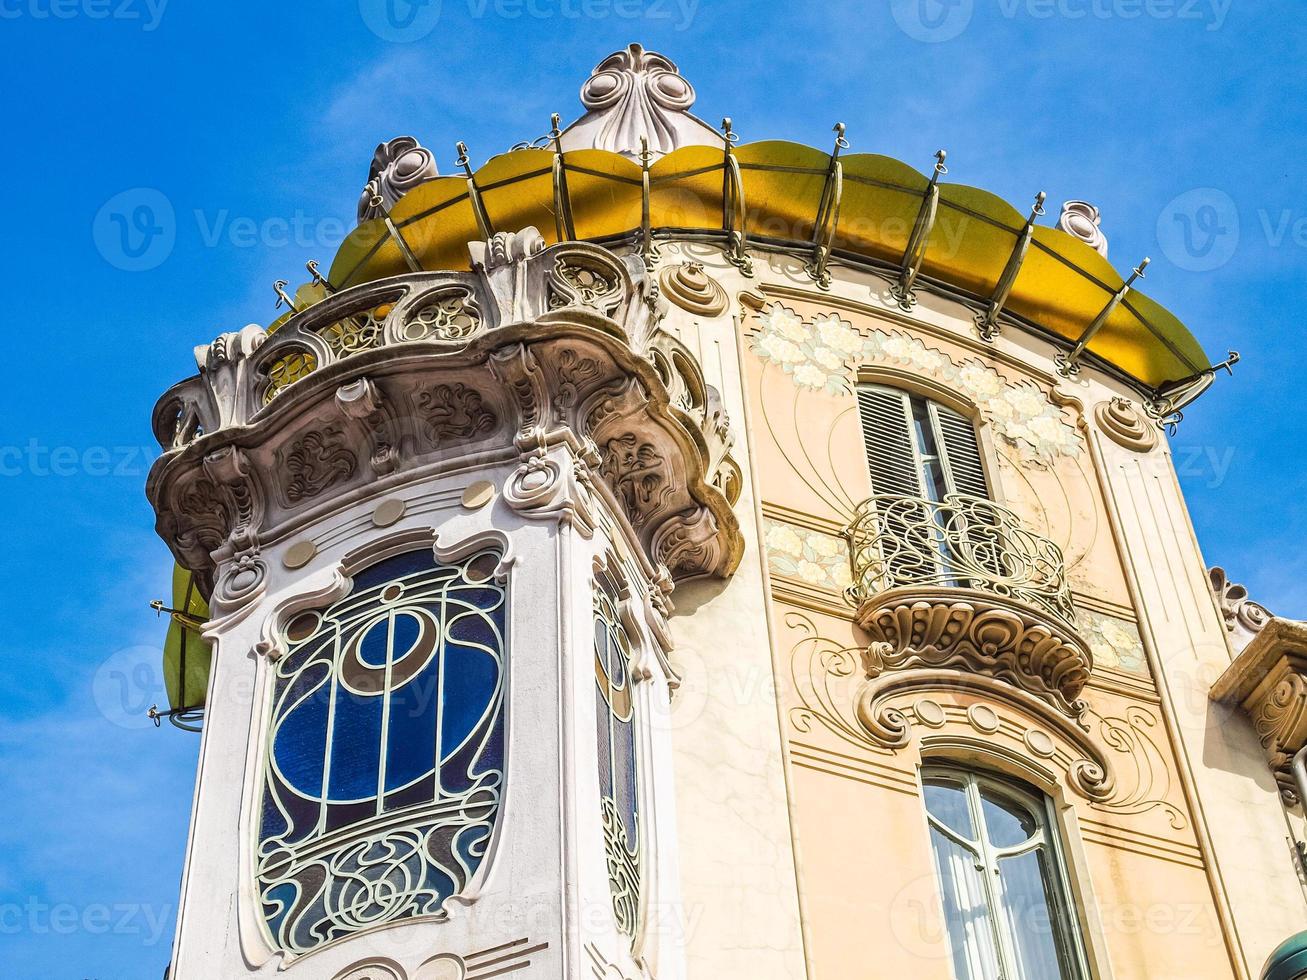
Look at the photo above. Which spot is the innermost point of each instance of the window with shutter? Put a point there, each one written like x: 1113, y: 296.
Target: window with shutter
x: 918, y: 447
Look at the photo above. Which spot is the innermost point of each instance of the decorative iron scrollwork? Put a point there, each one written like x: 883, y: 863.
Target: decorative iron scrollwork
x: 380, y: 795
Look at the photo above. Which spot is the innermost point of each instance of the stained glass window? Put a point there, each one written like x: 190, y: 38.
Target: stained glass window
x: 619, y: 793
x: 385, y: 763
x: 1007, y: 904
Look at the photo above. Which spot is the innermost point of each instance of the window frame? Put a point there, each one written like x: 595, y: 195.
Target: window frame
x: 1068, y: 927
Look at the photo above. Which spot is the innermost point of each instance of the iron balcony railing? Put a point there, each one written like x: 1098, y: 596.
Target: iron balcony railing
x: 962, y: 542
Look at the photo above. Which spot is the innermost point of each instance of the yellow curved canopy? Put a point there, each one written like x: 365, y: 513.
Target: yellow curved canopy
x: 1062, y: 286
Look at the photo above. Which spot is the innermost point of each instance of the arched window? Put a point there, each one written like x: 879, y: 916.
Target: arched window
x: 385, y: 762
x: 618, y: 776
x: 1007, y: 902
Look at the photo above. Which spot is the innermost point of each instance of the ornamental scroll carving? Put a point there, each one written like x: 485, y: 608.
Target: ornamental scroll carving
x: 554, y: 355
x: 1113, y: 761
x: 981, y: 633
x: 315, y: 462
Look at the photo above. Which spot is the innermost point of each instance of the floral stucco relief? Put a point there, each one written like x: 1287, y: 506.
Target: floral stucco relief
x: 818, y: 559
x: 824, y: 354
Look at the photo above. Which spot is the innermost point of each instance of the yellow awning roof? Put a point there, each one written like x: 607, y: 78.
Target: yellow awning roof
x: 1062, y: 286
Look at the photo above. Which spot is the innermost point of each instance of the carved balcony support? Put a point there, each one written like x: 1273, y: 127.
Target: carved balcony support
x: 536, y: 347
x: 1268, y: 680
x: 963, y: 584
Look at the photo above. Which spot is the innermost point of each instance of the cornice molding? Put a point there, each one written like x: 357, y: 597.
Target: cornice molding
x: 1268, y: 681
x: 534, y: 349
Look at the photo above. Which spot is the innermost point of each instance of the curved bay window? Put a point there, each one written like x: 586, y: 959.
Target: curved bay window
x: 385, y: 762
x: 618, y: 788
x: 1007, y: 902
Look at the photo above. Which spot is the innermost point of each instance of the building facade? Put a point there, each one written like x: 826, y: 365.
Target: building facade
x: 651, y: 555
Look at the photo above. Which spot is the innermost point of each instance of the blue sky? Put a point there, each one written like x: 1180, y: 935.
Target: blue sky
x: 254, y: 123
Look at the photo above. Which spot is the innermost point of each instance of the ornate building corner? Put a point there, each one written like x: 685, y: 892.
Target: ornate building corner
x: 536, y: 348
x: 1082, y: 220
x: 637, y: 98
x: 1242, y: 617
x: 1268, y: 680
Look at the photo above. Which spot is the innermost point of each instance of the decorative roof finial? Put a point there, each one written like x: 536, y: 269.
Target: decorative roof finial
x: 633, y: 94
x: 398, y: 166
x: 1080, y: 219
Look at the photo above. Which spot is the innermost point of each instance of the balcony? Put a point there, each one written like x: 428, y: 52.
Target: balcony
x: 963, y: 583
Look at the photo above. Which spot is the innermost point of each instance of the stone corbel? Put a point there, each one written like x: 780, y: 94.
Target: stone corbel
x: 1268, y: 680
x: 362, y: 400
x: 516, y: 367
x: 246, y: 573
x: 977, y: 633
x: 502, y: 262
x: 225, y: 367
x: 552, y: 485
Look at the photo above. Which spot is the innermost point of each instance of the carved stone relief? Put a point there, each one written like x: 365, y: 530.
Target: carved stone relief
x: 314, y: 462
x: 455, y: 412
x: 824, y: 355
x: 1112, y: 760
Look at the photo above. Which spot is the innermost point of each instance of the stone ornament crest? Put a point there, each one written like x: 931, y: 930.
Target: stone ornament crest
x: 1126, y: 425
x: 1243, y: 618
x: 398, y: 166
x: 637, y: 98
x: 1082, y: 220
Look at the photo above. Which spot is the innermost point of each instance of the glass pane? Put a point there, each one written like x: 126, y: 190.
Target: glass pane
x: 966, y: 915
x: 932, y: 469
x: 1029, y: 909
x: 1008, y: 822
x: 947, y: 802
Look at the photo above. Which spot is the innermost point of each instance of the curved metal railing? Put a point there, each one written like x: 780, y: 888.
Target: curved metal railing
x: 961, y: 542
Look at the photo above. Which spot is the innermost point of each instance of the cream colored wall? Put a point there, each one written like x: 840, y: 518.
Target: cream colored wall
x: 739, y: 890
x: 1182, y: 863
